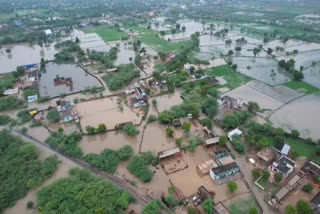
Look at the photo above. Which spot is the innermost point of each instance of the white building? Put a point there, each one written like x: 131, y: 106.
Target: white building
x: 48, y: 33
x: 236, y: 131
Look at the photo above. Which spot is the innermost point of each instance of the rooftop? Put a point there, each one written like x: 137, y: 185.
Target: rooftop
x: 168, y: 153
x: 225, y: 168
x: 285, y: 164
x: 267, y: 154
x: 211, y: 141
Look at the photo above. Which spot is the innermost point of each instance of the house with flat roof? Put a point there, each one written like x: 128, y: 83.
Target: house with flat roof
x: 211, y: 142
x: 236, y: 131
x: 284, y: 165
x: 224, y: 171
x: 169, y: 153
x: 267, y: 155
x: 283, y: 148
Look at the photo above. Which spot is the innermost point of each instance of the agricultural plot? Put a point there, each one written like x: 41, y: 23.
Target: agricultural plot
x: 106, y: 32
x: 301, y: 114
x: 304, y: 59
x: 312, y: 75
x: 263, y: 69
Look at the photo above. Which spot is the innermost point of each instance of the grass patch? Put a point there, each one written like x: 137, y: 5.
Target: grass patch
x: 106, y: 32
x: 263, y: 182
x: 234, y: 79
x: 243, y: 207
x: 302, y: 87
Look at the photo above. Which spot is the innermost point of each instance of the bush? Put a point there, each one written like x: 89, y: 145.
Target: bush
x: 101, y: 128
x: 278, y: 177
x: 130, y: 129
x: 152, y: 208
x: 125, y: 152
x: 223, y: 140
x: 10, y: 103
x: 206, y: 122
x: 107, y: 160
x: 233, y: 186
x: 90, y: 130
x: 266, y: 175
x: 208, y: 206
x: 253, y: 210
x: 170, y: 132
x: 290, y: 210
x: 295, y: 133
x: 152, y: 118
x: 186, y: 126
x: 303, y: 207
x: 170, y: 199
x: 35, y: 124
x: 24, y: 116
x: 138, y: 166
x: 308, y: 188
x: 29, y: 204
x: 53, y: 115
x: 5, y: 120
x: 256, y: 173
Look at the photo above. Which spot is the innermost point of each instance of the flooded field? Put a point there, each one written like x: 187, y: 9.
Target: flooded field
x: 24, y: 54
x: 106, y: 111
x: 92, y: 42
x: 304, y: 59
x: 165, y: 102
x: 125, y: 52
x: 214, y: 63
x: 247, y: 93
x: 191, y: 28
x: 302, y: 115
x: 80, y: 80
x: 263, y: 69
x: 312, y: 75
x: 111, y: 140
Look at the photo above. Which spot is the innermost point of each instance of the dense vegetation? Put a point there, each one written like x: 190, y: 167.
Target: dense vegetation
x: 20, y: 170
x: 11, y: 103
x: 67, y: 144
x: 125, y: 74
x: 138, y: 166
x: 82, y: 193
x: 108, y: 159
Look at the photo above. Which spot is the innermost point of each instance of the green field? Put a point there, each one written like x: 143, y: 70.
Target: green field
x: 233, y: 78
x: 107, y: 33
x: 302, y: 87
x: 243, y: 207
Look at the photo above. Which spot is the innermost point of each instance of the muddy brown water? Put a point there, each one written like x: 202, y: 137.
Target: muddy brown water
x: 24, y: 54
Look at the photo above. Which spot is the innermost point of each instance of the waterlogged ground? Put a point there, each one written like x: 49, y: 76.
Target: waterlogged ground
x: 24, y: 54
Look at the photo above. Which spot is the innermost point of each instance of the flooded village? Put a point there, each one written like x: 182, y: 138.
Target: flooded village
x: 179, y: 114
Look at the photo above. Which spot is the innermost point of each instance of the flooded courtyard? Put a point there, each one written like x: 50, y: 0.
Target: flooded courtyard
x: 165, y: 102
x: 79, y: 78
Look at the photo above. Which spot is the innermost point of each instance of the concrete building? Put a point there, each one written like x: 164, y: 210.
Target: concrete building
x: 224, y: 171
x: 236, y: 131
x: 284, y: 165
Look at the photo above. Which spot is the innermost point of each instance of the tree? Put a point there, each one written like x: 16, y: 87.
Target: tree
x: 298, y: 75
x: 29, y: 204
x: 125, y: 152
x: 208, y: 206
x: 206, y: 122
x: 173, y: 31
x: 183, y: 28
x: 253, y: 210
x: 53, y: 115
x: 230, y: 52
x: 290, y: 210
x: 178, y: 26
x: 90, y: 130
x: 278, y: 177
x: 266, y: 175
x: 269, y: 51
x: 130, y: 129
x: 253, y: 107
x: 234, y: 67
x: 77, y: 40
x: 154, y: 102
x: 42, y: 64
x: 162, y: 33
x: 256, y: 173
x: 233, y: 186
x: 223, y: 140
x: 308, y: 188
x: 303, y: 207
x: 170, y: 199
x: 295, y: 133
x: 102, y: 128
x: 170, y: 132
x: 186, y: 126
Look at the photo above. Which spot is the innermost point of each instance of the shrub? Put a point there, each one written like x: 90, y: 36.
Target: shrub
x: 266, y: 175
x: 206, y: 122
x: 223, y: 140
x: 253, y: 210
x: 303, y: 207
x: 290, y: 210
x: 170, y: 132
x: 233, y: 186
x: 256, y: 173
x: 152, y: 208
x: 130, y: 129
x: 308, y: 188
x: 90, y: 130
x: 137, y: 167
x: 101, y: 128
x: 10, y: 103
x: 35, y: 124
x: 29, y: 204
x: 170, y: 199
x: 152, y: 118
x: 278, y: 177
x: 208, y: 206
x: 53, y: 115
x: 125, y: 152
x: 186, y: 126
x: 5, y: 120
x: 295, y: 133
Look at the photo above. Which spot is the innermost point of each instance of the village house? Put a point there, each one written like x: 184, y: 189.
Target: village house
x: 204, y: 168
x: 139, y: 99
x: 48, y: 33
x: 267, y: 155
x: 283, y: 148
x: 211, y: 142
x: 236, y: 131
x: 224, y: 171
x: 230, y: 103
x: 204, y: 194
x: 284, y: 165
x: 174, y: 152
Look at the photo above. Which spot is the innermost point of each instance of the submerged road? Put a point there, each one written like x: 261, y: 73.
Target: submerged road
x: 115, y: 180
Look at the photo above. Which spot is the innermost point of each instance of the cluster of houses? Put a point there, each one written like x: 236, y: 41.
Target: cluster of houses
x: 67, y: 111
x: 136, y: 97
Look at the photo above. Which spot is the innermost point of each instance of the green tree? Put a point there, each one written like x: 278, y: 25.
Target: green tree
x: 53, y: 115
x: 152, y: 208
x: 170, y: 199
x: 186, y: 126
x: 308, y: 188
x: 278, y: 177
x: 256, y: 173
x: 29, y: 204
x: 298, y: 75
x: 183, y: 28
x: 154, y: 102
x: 223, y: 140
x: 295, y: 133
x: 130, y: 129
x: 303, y: 207
x: 290, y: 210
x: 208, y: 206
x: 90, y: 130
x: 253, y: 107
x: 170, y: 132
x: 266, y: 175
x: 253, y: 210
x: 206, y: 122
x: 233, y: 186
x: 125, y: 152
x: 102, y: 128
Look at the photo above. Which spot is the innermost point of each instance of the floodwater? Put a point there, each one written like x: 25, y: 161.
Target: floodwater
x: 263, y: 69
x: 125, y: 52
x: 24, y: 54
x: 304, y: 59
x: 191, y: 28
x: 105, y: 111
x: 165, y: 102
x: 312, y: 75
x: 81, y: 80
x: 111, y: 140
x: 301, y: 114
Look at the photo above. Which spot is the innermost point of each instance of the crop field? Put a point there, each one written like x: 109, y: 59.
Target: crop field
x: 106, y: 32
